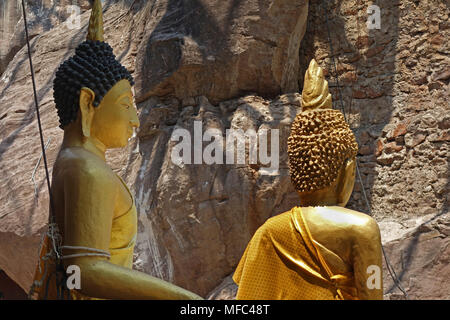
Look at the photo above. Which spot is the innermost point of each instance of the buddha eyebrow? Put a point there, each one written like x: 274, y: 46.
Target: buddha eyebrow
x: 125, y: 96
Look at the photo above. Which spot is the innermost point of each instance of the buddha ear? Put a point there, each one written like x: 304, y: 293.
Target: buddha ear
x: 87, y: 97
x: 350, y: 165
x: 346, y: 181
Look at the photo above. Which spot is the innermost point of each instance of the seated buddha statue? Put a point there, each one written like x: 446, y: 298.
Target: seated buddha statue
x: 95, y: 214
x: 318, y: 250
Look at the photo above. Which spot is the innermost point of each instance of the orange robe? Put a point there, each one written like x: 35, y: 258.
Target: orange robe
x: 282, y: 262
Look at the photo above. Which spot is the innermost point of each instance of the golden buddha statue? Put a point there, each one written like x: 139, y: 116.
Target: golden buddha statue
x: 319, y: 250
x: 94, y: 210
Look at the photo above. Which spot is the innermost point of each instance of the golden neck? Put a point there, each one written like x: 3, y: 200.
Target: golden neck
x: 336, y: 194
x: 320, y: 198
x: 73, y: 137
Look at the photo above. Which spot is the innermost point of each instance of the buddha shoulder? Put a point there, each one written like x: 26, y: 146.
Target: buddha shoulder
x: 357, y: 224
x: 78, y: 162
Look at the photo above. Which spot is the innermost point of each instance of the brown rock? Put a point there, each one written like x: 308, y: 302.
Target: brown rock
x: 359, y: 94
x: 434, y: 86
x: 364, y: 41
x: 206, y: 212
x: 364, y: 137
x: 215, y: 51
x: 399, y: 130
x: 379, y: 147
x: 444, y: 122
x: 392, y: 147
x: 365, y: 150
x: 441, y: 75
x: 385, y: 159
x: 411, y: 61
x: 413, y: 140
x: 349, y: 77
x: 444, y: 136
x: 227, y: 290
x: 437, y: 39
x: 12, y: 35
x: 420, y: 260
x: 251, y: 46
x: 420, y: 78
x: 9, y: 290
x: 374, y: 51
x: 433, y: 28
x: 372, y: 94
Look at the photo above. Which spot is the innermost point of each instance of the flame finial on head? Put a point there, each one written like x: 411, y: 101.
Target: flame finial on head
x: 95, y: 30
x: 315, y: 93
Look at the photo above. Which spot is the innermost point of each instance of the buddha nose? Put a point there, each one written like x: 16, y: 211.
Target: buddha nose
x: 134, y: 121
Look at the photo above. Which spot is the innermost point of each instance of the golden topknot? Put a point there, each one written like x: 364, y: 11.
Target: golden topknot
x: 95, y: 29
x: 320, y: 139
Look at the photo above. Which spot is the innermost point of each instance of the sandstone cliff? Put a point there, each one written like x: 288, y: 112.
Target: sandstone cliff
x: 201, y: 56
x: 240, y: 64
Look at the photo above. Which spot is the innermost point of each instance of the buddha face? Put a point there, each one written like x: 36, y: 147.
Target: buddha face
x: 113, y: 121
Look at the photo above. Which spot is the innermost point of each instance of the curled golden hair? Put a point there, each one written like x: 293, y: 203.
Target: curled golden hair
x: 320, y: 139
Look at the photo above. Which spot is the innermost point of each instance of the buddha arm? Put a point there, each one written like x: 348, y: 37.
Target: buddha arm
x: 90, y: 199
x: 367, y: 261
x: 102, y: 279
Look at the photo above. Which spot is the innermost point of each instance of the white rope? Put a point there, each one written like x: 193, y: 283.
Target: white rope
x: 87, y: 249
x: 87, y: 254
x: 95, y: 252
x: 35, y: 168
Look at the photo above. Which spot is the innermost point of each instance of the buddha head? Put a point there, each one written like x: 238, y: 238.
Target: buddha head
x: 92, y: 90
x: 321, y: 147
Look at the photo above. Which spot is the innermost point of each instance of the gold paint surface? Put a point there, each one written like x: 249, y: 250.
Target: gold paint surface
x: 319, y: 250
x: 95, y: 29
x: 320, y: 139
x: 315, y: 94
x: 95, y: 209
x: 284, y: 261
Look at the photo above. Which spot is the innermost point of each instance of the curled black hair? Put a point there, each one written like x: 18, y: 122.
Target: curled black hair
x: 93, y: 66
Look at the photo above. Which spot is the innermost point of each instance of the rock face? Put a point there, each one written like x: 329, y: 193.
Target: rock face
x: 394, y: 85
x: 195, y: 219
x: 198, y: 215
x: 421, y: 261
x: 42, y: 15
x: 236, y: 66
x: 221, y: 49
x: 9, y: 290
x: 393, y: 100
